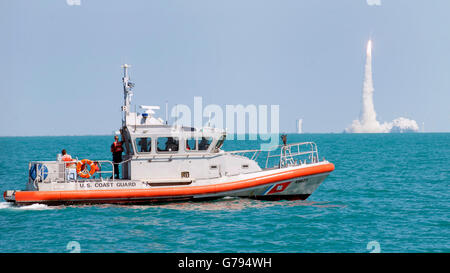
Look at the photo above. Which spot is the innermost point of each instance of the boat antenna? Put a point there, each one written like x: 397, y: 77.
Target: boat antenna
x: 209, y: 119
x: 167, y: 112
x: 127, y: 93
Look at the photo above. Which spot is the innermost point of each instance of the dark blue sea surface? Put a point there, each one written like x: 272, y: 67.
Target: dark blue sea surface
x: 391, y: 190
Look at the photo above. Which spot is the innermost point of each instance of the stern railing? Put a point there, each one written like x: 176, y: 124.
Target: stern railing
x: 65, y: 171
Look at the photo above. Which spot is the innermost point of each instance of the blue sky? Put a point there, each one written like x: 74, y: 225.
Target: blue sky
x: 61, y: 70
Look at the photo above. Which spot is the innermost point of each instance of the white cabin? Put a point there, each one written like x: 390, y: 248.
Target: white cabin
x: 155, y: 150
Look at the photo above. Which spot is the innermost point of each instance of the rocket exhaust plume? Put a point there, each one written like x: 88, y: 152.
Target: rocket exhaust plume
x: 367, y: 122
x: 368, y: 116
x: 369, y: 48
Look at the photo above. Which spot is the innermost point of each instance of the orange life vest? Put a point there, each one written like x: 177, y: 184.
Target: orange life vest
x: 67, y: 157
x: 117, y: 147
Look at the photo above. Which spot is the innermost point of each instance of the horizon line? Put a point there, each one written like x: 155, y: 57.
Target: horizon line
x: 294, y: 133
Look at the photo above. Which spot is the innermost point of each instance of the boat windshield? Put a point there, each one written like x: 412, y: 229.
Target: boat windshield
x: 204, y: 143
x: 143, y: 144
x: 191, y: 144
x: 167, y: 144
x: 219, y: 143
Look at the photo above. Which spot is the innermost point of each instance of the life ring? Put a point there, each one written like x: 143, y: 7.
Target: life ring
x: 82, y: 172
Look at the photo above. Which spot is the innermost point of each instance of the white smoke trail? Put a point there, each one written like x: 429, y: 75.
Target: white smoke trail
x: 367, y: 122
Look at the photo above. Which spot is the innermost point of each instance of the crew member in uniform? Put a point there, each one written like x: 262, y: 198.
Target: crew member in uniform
x: 116, y: 150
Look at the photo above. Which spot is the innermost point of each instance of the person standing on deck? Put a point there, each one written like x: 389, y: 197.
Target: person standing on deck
x: 65, y: 156
x: 116, y: 150
x: 71, y: 172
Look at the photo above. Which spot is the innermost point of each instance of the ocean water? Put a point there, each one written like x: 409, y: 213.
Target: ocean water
x: 389, y: 192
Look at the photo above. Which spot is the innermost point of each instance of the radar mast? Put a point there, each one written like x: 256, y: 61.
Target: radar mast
x: 127, y: 93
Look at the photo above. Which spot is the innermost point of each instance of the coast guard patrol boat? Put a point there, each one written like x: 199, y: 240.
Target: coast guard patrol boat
x: 165, y: 163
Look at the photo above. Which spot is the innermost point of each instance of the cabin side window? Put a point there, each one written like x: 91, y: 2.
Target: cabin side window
x: 167, y: 144
x: 204, y: 143
x: 143, y: 144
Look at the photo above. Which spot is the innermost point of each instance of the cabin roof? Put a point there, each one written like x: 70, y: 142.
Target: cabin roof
x: 168, y: 130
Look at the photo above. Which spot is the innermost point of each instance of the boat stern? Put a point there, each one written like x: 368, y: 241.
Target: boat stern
x: 9, y: 196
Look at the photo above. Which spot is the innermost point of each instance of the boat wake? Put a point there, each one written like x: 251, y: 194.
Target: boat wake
x: 8, y: 205
x: 236, y: 204
x: 223, y: 204
x: 5, y: 205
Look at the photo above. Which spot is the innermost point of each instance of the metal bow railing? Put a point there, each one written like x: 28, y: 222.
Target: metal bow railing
x: 283, y: 155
